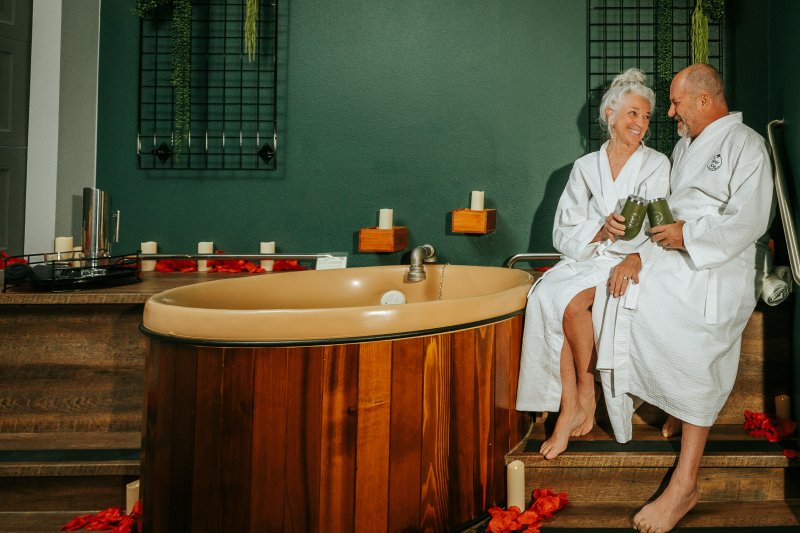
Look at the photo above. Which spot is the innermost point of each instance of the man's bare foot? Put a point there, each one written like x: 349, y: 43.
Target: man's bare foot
x: 565, y: 425
x: 666, y: 511
x: 672, y: 427
x: 588, y: 401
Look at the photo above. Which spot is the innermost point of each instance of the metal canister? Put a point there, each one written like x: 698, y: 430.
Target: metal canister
x: 658, y: 212
x: 634, y: 212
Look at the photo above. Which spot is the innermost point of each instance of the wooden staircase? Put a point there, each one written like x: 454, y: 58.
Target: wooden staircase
x: 744, y: 482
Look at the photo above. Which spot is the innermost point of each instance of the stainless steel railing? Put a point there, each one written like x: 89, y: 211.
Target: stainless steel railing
x: 511, y: 261
x: 784, y: 205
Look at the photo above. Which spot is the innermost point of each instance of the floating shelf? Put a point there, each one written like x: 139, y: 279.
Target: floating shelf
x: 476, y: 222
x: 383, y: 240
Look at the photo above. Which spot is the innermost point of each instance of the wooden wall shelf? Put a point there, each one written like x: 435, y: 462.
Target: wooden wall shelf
x: 383, y: 240
x: 475, y: 222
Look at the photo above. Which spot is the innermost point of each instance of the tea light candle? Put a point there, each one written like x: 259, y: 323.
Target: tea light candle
x: 149, y: 247
x: 783, y: 408
x: 204, y: 248
x: 385, y: 219
x: 63, y: 244
x: 515, y: 485
x: 267, y: 248
x: 476, y: 201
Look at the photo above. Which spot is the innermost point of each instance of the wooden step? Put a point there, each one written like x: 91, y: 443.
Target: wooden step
x: 596, y: 468
x: 48, y: 478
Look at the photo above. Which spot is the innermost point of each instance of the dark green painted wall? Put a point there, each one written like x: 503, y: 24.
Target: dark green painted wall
x: 407, y: 105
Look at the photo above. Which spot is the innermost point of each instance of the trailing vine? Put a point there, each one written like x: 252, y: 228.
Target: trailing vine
x: 181, y: 77
x: 703, y: 10
x: 250, y: 25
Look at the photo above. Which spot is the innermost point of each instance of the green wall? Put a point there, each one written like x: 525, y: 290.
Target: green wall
x: 406, y: 105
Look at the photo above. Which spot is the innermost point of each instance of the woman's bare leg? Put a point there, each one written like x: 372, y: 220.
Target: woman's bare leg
x: 578, y: 331
x: 578, y: 399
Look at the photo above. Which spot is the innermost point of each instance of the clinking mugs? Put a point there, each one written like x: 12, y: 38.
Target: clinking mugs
x: 636, y: 208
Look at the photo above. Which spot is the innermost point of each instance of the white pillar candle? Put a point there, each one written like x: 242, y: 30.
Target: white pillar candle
x: 77, y: 254
x: 476, y: 201
x: 149, y: 247
x: 267, y: 248
x: 385, y: 219
x: 515, y: 485
x: 783, y: 408
x: 204, y: 248
x: 131, y: 495
x: 63, y: 244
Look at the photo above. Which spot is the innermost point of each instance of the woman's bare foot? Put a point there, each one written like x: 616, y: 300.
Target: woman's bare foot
x: 587, y: 399
x: 672, y: 427
x: 565, y: 425
x: 666, y: 511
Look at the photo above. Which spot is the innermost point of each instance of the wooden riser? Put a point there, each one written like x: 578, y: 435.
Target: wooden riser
x: 638, y: 484
x: 706, y: 514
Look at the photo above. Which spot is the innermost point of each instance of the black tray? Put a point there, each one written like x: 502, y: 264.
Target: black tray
x: 49, y: 272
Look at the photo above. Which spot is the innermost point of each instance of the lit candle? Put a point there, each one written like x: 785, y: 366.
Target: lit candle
x: 515, y: 485
x: 385, y: 219
x: 267, y: 248
x: 204, y: 248
x: 476, y: 201
x: 63, y: 244
x: 783, y: 408
x: 149, y: 247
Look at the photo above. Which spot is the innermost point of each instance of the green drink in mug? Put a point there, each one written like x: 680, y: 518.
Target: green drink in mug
x: 658, y: 212
x: 634, y: 212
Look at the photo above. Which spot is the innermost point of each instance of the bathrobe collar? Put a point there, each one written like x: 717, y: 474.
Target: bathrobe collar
x: 610, y: 187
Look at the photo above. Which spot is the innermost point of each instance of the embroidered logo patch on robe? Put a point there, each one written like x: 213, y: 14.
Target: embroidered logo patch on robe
x: 715, y: 162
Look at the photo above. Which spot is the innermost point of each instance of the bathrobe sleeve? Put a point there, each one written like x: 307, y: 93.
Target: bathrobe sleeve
x: 716, y: 238
x: 576, y: 223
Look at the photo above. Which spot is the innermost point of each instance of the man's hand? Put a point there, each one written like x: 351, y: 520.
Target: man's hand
x: 669, y: 236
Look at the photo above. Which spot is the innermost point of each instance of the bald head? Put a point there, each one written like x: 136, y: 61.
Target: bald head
x: 697, y: 98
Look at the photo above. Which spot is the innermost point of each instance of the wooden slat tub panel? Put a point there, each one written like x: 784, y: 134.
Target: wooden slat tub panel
x: 389, y: 436
x: 372, y: 448
x: 303, y: 438
x: 270, y: 416
x: 339, y: 424
x: 405, y: 446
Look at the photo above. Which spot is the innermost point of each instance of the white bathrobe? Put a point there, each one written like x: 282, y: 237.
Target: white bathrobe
x: 590, y: 195
x: 678, y: 347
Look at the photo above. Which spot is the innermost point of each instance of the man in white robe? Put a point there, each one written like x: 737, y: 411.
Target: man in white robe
x: 678, y: 347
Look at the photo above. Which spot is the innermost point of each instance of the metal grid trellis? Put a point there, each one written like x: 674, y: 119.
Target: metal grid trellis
x: 624, y: 33
x: 233, y: 119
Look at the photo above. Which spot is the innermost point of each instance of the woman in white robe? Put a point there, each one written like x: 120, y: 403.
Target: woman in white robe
x: 557, y: 367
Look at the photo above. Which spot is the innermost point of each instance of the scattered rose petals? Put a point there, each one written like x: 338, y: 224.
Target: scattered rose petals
x: 111, y: 519
x: 773, y: 429
x: 789, y: 453
x: 286, y: 265
x: 545, y: 504
x: 175, y: 265
x: 5, y: 262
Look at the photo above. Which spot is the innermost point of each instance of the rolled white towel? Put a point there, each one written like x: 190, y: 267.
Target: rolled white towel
x: 777, y: 286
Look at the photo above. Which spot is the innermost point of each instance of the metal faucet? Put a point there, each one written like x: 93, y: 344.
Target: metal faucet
x: 421, y: 254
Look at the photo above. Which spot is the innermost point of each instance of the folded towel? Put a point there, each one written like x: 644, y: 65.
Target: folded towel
x: 777, y: 286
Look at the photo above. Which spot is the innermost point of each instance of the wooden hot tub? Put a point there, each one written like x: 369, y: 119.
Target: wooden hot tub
x: 293, y: 425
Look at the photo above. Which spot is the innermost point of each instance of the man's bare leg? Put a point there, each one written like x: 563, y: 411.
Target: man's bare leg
x: 671, y: 427
x: 579, y: 332
x: 681, y: 494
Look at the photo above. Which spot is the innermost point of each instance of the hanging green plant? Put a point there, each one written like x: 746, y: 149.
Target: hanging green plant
x: 250, y: 26
x: 703, y: 10
x: 181, y: 78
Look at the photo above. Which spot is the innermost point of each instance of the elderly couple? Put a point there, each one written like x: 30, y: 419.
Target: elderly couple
x: 659, y: 317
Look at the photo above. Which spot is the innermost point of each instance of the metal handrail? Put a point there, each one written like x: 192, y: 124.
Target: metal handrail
x: 783, y: 204
x: 511, y: 261
x: 300, y: 257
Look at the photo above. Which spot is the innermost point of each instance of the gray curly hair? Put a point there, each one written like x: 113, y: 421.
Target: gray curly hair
x: 630, y: 81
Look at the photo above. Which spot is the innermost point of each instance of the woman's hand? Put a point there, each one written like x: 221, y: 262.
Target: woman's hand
x: 625, y: 273
x: 613, y: 227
